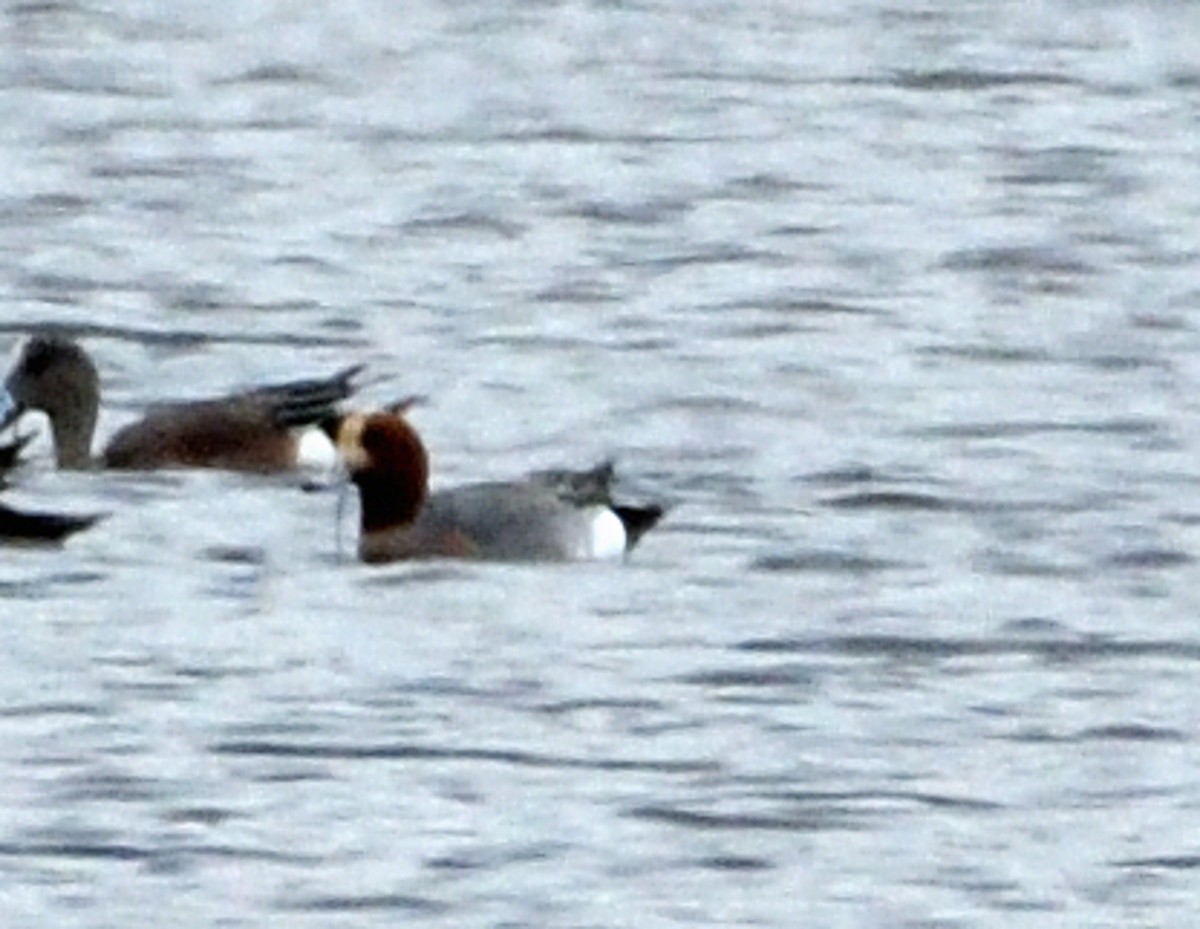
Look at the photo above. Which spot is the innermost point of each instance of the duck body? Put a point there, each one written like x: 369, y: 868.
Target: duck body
x: 257, y: 430
x: 207, y: 434
x: 547, y: 516
x: 502, y: 521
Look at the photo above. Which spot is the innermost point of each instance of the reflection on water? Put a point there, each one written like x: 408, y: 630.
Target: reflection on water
x: 891, y: 305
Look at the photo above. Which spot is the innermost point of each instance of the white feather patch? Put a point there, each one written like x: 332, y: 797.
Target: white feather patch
x: 316, y: 452
x: 608, y: 537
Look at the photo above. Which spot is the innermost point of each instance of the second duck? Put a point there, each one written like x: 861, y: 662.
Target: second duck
x: 547, y: 516
x: 260, y: 430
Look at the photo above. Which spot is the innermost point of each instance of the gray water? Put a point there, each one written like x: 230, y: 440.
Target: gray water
x: 895, y: 304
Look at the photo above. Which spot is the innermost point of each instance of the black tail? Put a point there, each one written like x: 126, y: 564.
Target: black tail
x: 10, y: 452
x: 638, y: 520
x: 16, y: 525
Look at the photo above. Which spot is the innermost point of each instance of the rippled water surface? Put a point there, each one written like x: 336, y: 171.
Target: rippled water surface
x: 895, y: 304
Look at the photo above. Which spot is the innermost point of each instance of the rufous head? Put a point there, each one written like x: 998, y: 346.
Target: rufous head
x: 386, y: 459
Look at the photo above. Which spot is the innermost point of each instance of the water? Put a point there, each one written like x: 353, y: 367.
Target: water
x: 894, y: 304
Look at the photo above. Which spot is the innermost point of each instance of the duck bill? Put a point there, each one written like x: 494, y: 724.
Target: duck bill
x: 10, y: 408
x: 347, y: 439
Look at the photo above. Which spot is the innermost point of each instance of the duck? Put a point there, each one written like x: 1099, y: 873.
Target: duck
x: 260, y: 430
x: 558, y: 515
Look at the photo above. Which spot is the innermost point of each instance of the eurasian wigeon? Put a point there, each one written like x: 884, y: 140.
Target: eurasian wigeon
x: 547, y: 516
x: 259, y: 430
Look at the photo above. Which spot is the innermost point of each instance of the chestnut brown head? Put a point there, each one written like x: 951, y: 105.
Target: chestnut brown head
x: 386, y: 459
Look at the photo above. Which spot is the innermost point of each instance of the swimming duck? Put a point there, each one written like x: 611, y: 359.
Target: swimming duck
x: 547, y: 516
x: 256, y: 430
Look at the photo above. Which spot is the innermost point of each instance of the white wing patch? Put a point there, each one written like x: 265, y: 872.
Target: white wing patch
x: 316, y: 453
x: 607, y: 533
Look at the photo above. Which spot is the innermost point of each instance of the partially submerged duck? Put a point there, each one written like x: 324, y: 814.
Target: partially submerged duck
x: 261, y: 430
x: 36, y: 526
x: 547, y: 516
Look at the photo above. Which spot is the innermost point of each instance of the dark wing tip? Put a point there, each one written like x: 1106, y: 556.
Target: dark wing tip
x: 301, y: 403
x: 345, y: 378
x: 35, y: 526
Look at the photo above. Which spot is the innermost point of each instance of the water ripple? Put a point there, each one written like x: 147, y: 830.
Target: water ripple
x: 827, y: 562
x: 276, y: 73
x: 1002, y: 429
x: 1024, y: 258
x: 1130, y: 732
x: 398, y: 903
x: 808, y: 821
x: 969, y: 79
x: 1150, y: 559
x: 1162, y: 862
x: 410, y: 752
x: 904, y: 797
x: 179, y: 338
x: 1056, y: 649
x: 898, y: 500
x: 780, y: 676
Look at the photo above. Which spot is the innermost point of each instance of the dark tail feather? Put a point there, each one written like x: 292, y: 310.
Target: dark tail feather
x: 403, y: 405
x: 10, y: 453
x: 638, y: 520
x: 300, y: 403
x: 16, y: 525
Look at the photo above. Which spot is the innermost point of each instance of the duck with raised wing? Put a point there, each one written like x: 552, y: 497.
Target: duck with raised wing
x: 547, y: 516
x: 261, y: 430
